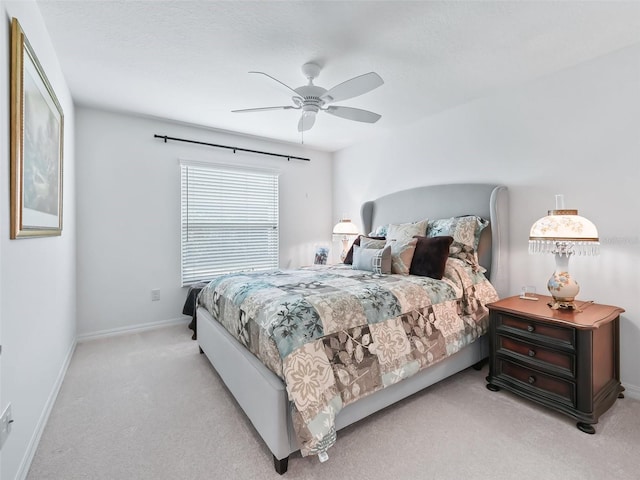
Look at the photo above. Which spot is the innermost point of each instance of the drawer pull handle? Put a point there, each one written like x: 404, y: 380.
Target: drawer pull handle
x: 532, y: 379
x: 530, y: 328
x: 532, y: 353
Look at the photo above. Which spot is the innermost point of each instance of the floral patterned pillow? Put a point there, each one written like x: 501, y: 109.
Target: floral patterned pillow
x: 401, y: 255
x: 465, y: 230
x: 380, y: 231
x: 403, y: 232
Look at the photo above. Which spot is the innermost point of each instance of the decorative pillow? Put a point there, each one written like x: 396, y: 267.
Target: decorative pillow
x: 369, y: 242
x: 430, y: 256
x: 380, y: 231
x: 349, y: 258
x: 401, y: 255
x: 403, y: 232
x: 376, y: 260
x: 465, y: 230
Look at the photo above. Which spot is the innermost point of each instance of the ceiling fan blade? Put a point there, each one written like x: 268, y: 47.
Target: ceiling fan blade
x: 353, y: 114
x: 307, y: 119
x: 276, y: 80
x: 264, y: 109
x: 353, y: 87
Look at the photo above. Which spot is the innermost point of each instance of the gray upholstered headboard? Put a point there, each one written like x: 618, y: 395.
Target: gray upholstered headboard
x: 444, y: 201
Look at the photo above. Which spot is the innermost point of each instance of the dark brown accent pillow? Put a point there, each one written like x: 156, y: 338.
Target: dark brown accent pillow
x: 430, y: 257
x: 349, y: 258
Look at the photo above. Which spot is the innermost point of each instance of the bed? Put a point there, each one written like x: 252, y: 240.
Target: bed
x: 265, y: 389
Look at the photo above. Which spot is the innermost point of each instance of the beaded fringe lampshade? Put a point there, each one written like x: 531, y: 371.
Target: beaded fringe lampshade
x: 563, y: 233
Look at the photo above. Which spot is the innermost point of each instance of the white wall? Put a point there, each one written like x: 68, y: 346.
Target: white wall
x: 129, y: 212
x: 38, y: 276
x: 575, y: 132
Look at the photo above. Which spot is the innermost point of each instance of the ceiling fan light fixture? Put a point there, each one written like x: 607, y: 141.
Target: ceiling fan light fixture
x: 307, y: 120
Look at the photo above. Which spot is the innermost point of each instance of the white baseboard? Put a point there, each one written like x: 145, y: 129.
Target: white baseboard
x: 23, y: 470
x: 631, y: 390
x: 132, y: 329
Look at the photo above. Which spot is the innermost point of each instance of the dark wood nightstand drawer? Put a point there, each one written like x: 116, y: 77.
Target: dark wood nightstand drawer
x: 561, y: 362
x: 562, y: 391
x: 533, y: 330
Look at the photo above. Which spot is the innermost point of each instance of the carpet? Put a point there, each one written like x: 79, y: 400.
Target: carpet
x: 147, y: 405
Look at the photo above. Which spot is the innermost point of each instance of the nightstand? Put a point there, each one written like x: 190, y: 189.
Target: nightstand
x: 564, y: 359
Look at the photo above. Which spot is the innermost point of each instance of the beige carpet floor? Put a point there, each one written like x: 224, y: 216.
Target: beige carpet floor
x: 149, y: 406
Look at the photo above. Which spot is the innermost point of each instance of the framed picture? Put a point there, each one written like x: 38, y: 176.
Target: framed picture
x: 322, y: 254
x: 36, y: 145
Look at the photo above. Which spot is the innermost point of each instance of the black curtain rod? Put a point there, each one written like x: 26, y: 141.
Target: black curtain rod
x: 288, y: 157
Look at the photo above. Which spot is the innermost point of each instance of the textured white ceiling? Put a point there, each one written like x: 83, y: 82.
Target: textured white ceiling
x: 188, y: 60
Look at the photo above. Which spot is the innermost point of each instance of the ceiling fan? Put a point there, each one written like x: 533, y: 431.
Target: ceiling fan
x: 312, y: 99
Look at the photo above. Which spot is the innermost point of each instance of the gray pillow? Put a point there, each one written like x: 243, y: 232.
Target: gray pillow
x: 376, y: 260
x: 366, y: 242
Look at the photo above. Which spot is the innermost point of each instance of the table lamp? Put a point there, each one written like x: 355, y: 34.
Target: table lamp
x: 563, y: 233
x: 346, y: 229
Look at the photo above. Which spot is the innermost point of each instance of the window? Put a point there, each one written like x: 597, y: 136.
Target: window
x: 229, y: 220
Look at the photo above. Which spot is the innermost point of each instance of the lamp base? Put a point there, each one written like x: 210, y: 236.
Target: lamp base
x: 562, y: 287
x: 558, y: 304
x: 345, y: 248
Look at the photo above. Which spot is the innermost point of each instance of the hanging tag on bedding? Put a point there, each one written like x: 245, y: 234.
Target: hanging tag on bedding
x: 323, y: 457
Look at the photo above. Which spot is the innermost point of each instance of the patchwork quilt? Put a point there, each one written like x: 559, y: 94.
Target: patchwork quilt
x: 334, y: 334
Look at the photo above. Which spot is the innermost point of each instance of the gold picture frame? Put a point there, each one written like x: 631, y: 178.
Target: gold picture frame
x: 37, y: 133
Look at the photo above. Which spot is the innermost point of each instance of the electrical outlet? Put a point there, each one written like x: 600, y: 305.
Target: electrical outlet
x: 5, y: 424
x: 155, y: 295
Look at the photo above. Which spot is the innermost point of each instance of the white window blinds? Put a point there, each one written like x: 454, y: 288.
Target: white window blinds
x: 229, y: 221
